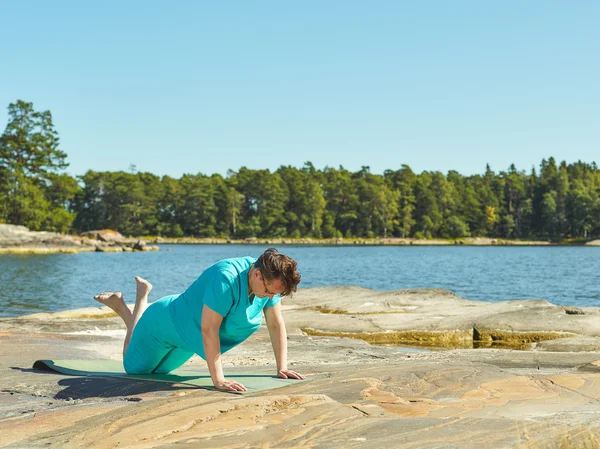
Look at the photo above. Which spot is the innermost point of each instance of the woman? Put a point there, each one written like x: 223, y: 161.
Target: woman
x: 220, y: 310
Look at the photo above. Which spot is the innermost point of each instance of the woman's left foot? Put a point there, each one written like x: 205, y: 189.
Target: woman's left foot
x: 142, y: 287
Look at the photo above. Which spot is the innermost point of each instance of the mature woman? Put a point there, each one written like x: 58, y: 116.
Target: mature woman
x: 221, y: 309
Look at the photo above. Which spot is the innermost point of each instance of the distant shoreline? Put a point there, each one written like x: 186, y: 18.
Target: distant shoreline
x: 469, y: 241
x: 61, y: 248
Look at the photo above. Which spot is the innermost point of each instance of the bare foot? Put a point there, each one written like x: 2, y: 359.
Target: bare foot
x: 113, y: 300
x: 142, y: 287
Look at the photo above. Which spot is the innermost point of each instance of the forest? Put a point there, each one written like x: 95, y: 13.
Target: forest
x: 556, y: 201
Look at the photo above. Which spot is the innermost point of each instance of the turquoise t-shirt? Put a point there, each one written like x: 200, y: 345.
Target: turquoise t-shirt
x: 223, y: 287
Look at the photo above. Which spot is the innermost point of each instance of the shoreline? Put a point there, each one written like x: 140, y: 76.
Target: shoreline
x: 361, y: 241
x: 32, y: 250
x: 358, y: 241
x: 20, y: 240
x: 16, y: 239
x: 156, y: 242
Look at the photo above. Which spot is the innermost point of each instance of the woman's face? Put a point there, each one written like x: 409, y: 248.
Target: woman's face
x: 263, y: 288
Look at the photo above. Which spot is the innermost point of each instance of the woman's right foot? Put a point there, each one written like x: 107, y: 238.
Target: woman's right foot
x: 113, y: 300
x: 142, y: 287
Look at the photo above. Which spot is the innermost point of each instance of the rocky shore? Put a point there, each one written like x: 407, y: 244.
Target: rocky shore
x: 390, y: 241
x: 545, y: 394
x: 20, y: 240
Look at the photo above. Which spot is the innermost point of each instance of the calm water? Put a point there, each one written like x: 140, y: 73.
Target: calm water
x: 562, y: 275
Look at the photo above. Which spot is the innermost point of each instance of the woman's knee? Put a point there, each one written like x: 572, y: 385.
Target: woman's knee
x: 133, y: 366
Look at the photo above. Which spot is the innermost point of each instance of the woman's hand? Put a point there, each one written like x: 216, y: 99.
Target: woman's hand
x: 289, y: 374
x: 229, y: 385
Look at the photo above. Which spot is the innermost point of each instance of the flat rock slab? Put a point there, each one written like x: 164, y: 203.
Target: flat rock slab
x: 434, y: 316
x: 360, y: 396
x: 416, y: 404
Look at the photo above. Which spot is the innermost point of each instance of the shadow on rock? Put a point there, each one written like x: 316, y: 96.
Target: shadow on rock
x: 106, y: 387
x: 75, y: 388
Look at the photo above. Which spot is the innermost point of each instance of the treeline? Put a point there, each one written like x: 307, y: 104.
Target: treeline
x: 557, y: 201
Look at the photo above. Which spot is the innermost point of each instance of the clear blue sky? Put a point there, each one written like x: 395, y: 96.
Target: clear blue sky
x: 204, y: 86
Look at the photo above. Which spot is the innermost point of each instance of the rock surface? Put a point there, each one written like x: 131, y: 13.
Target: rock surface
x: 19, y: 239
x: 105, y: 235
x: 435, y: 318
x: 359, y: 396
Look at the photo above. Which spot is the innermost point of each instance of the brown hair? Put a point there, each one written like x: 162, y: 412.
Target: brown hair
x: 274, y: 265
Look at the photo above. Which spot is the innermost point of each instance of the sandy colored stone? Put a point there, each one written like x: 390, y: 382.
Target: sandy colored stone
x: 359, y: 396
x: 435, y: 315
x: 53, y: 420
x: 20, y: 240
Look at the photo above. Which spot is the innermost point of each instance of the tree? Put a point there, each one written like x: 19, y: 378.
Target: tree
x: 167, y: 208
x: 29, y: 144
x: 403, y: 182
x: 515, y: 196
x: 26, y: 204
x: 32, y: 188
x: 90, y: 205
x: 234, y: 207
x: 548, y: 210
x: 472, y: 212
x: 296, y: 213
x: 427, y: 214
x: 342, y: 199
x: 61, y: 193
x: 455, y: 228
x: 315, y: 204
x: 197, y: 216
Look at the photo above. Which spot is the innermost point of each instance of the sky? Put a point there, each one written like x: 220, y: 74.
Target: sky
x: 206, y: 86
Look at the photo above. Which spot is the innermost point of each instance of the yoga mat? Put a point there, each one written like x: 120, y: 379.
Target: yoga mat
x: 111, y: 368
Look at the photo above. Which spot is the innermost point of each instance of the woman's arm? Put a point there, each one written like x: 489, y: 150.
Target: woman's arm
x: 211, y: 321
x: 278, y: 336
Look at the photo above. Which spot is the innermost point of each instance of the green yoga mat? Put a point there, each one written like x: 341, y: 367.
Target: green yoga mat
x: 111, y: 368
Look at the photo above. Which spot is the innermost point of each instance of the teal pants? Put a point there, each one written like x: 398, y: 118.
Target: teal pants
x: 155, y: 346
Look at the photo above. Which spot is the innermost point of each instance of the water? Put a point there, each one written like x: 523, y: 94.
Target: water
x: 561, y: 275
